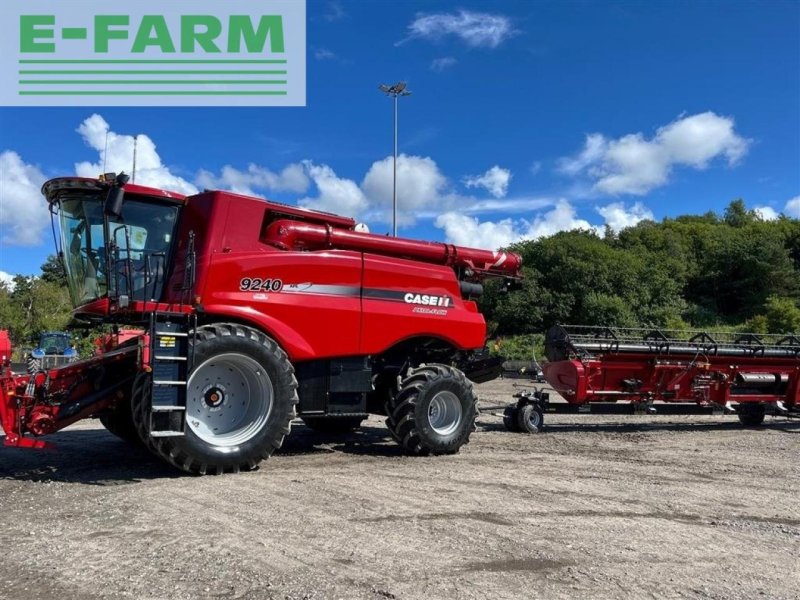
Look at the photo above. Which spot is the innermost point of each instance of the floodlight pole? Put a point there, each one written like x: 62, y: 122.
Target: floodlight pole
x: 394, y: 173
x: 394, y: 91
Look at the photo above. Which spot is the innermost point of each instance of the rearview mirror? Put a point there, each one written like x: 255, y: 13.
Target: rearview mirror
x: 113, y: 205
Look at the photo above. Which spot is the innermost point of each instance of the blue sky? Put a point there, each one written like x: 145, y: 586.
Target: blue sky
x: 526, y: 118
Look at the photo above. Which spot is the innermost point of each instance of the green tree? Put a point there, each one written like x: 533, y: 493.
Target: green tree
x: 53, y: 271
x: 782, y: 315
x: 737, y: 215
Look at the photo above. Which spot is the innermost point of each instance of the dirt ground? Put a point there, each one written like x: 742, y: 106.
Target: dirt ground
x: 595, y: 506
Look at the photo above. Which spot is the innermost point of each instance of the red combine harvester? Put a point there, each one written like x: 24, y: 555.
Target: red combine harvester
x: 254, y: 312
x: 605, y: 369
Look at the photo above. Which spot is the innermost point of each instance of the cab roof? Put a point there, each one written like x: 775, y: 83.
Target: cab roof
x: 51, y: 188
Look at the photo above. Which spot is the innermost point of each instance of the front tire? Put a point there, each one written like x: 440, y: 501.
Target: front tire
x: 240, y: 401
x: 119, y: 421
x: 434, y: 410
x: 34, y: 365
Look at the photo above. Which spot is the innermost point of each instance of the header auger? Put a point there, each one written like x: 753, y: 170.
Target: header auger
x: 253, y: 312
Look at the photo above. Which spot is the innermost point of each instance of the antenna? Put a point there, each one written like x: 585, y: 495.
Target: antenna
x: 105, y: 153
x: 133, y: 174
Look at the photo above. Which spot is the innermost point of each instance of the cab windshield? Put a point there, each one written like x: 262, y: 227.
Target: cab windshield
x: 136, y: 255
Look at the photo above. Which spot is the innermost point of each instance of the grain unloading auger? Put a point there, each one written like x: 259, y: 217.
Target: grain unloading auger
x: 609, y: 369
x: 253, y: 313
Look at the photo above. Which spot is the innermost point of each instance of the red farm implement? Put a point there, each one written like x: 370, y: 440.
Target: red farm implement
x: 606, y: 369
x: 252, y: 313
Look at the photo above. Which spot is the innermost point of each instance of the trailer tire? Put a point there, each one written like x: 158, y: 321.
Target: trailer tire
x: 752, y: 416
x: 238, y: 372
x: 510, y: 419
x: 434, y: 410
x: 530, y: 418
x: 333, y: 424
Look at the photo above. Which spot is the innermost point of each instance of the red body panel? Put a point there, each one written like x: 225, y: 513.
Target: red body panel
x: 5, y: 349
x: 335, y: 298
x: 711, y: 380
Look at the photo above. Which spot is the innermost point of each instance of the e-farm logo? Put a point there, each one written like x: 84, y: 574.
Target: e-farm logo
x: 154, y: 53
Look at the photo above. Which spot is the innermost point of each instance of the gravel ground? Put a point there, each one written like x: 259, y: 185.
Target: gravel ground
x: 596, y: 506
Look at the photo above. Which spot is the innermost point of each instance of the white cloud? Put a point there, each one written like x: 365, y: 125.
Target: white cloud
x: 474, y: 28
x: 440, y: 64
x: 465, y: 230
x: 336, y: 195
x: 495, y: 181
x: 792, y: 208
x: 536, y: 166
x: 7, y: 279
x: 618, y: 216
x: 292, y: 178
x: 335, y: 12
x: 767, y: 213
x: 635, y: 165
x: 23, y: 209
x: 149, y: 169
x: 324, y: 54
x: 420, y: 186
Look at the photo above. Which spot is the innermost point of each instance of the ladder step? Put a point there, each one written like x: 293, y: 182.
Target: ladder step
x: 159, y: 434
x: 168, y: 408
x: 161, y: 357
x: 167, y: 382
x: 171, y: 334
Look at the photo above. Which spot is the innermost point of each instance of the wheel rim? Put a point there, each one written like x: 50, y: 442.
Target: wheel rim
x: 533, y: 419
x: 444, y: 413
x: 229, y: 398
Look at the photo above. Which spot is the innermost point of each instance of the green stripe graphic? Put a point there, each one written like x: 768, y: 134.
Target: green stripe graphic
x: 148, y: 72
x: 150, y: 93
x: 151, y: 82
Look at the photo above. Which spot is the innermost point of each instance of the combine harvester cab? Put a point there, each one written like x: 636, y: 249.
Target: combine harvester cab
x: 607, y: 369
x: 253, y: 313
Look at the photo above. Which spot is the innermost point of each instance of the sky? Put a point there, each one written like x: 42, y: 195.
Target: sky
x: 526, y: 118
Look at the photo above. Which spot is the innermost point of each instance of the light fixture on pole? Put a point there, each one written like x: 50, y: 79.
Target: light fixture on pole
x: 394, y: 91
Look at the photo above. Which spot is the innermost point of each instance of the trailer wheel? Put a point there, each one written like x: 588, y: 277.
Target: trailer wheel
x: 240, y: 401
x: 434, y: 410
x: 333, y: 424
x: 751, y: 416
x: 530, y: 418
x: 510, y: 419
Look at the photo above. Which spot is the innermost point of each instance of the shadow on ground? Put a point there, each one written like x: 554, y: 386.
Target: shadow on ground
x: 783, y: 426
x: 95, y: 457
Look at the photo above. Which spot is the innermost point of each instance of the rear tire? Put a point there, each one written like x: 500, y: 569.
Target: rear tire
x: 751, y: 416
x: 241, y: 398
x: 434, y: 410
x: 333, y: 424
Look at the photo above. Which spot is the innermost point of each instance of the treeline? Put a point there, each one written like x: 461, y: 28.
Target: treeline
x: 735, y: 271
